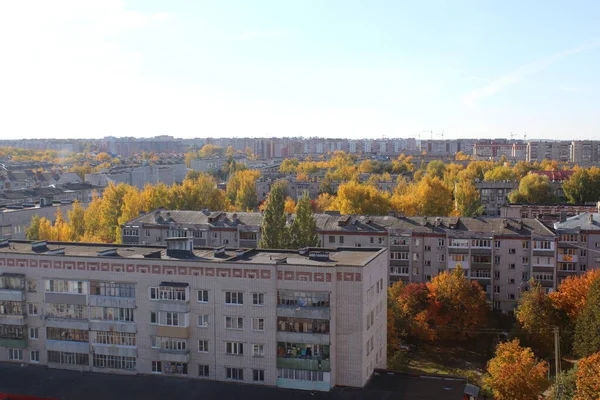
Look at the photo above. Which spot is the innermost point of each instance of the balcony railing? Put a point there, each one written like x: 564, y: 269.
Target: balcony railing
x: 312, y: 364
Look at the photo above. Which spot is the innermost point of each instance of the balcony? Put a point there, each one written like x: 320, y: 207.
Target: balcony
x: 568, y: 258
x: 67, y: 323
x: 114, y: 350
x: 68, y: 346
x: 463, y: 264
x: 303, y: 312
x: 248, y: 243
x: 311, y: 364
x: 12, y: 295
x: 13, y: 343
x: 179, y: 356
x: 113, y: 326
x: 303, y: 337
x: 111, y: 301
x: 179, y: 332
x: 481, y: 265
x: 66, y: 298
x: 321, y: 386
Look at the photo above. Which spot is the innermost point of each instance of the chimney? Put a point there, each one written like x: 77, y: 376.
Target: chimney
x: 563, y: 216
x: 591, y: 218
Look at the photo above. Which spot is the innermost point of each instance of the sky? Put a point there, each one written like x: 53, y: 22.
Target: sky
x: 329, y: 68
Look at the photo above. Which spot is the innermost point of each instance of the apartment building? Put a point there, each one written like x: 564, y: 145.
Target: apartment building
x: 309, y: 319
x: 419, y: 247
x: 579, y: 244
x: 139, y: 176
x: 540, y: 151
x: 15, y: 221
x: 585, y: 152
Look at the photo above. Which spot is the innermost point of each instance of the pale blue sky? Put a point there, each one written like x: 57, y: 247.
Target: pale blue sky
x: 355, y: 69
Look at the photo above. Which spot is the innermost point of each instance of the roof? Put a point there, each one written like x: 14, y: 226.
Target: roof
x: 365, y: 224
x: 35, y: 380
x: 582, y: 222
x: 351, y: 256
x: 555, y: 176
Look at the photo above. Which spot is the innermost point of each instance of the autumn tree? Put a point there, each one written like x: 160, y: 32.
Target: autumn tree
x: 103, y: 157
x: 572, y: 293
x: 515, y: 373
x: 324, y: 202
x: 457, y: 305
x: 413, y: 310
x: 467, y: 199
x: 583, y: 186
x: 394, y: 319
x: 273, y: 230
x: 33, y: 231
x: 534, y: 189
x: 210, y: 150
x: 77, y: 221
x: 436, y: 168
x: 289, y: 166
x: 241, y: 189
x: 587, y: 328
x: 60, y: 229
x: 536, y: 316
x: 356, y: 198
x: 289, y: 205
x: 303, y: 230
x: 429, y: 196
x: 588, y: 378
x: 500, y: 173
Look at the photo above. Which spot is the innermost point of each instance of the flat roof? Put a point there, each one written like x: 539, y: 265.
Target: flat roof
x: 350, y: 256
x: 41, y: 381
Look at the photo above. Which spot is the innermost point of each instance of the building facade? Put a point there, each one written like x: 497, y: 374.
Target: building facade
x: 306, y: 320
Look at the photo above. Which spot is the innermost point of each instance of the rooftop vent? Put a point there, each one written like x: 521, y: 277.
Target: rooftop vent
x: 318, y: 255
x: 505, y: 223
x: 280, y: 260
x: 213, y: 217
x: 59, y: 251
x: 424, y: 221
x: 219, y: 251
x: 343, y: 221
x: 180, y: 247
x: 39, y: 246
x: 591, y: 218
x: 4, y: 243
x: 107, y: 253
x: 520, y: 226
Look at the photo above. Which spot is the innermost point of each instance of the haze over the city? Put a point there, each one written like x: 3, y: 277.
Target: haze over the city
x: 307, y: 68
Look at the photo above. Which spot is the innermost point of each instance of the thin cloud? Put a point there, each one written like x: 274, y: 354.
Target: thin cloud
x: 498, y: 84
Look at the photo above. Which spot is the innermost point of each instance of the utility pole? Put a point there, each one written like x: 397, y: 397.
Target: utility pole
x: 557, y: 359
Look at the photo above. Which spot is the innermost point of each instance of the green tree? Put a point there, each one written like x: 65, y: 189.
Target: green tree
x: 564, y: 386
x: 500, y: 173
x: 533, y: 188
x: 303, y: 231
x: 436, y: 168
x: 537, y: 316
x: 273, y: 229
x: 583, y: 186
x: 587, y: 327
x: 33, y: 232
x: 467, y: 199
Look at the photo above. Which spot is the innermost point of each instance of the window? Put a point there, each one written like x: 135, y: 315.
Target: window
x: 167, y: 343
x: 441, y: 242
x: 258, y: 350
x: 497, y: 260
x: 34, y: 333
x: 15, y: 354
x: 399, y: 270
x: 203, y: 321
x: 496, y: 305
x: 457, y: 257
x: 300, y: 374
x: 399, y: 255
x: 541, y: 276
x: 111, y: 314
x: 66, y: 311
x: 156, y: 367
x: 147, y: 233
x: 302, y: 299
x: 235, y: 374
x: 172, y: 319
x: 34, y: 356
x: 64, y: 286
x: 32, y: 309
x: 511, y: 280
x: 203, y: 370
x: 543, y: 245
x: 415, y: 270
x: 31, y: 286
x: 202, y: 296
x: 582, y: 267
x: 258, y: 375
x: 331, y: 239
x: 168, y: 293
x: 583, y: 253
x: 131, y: 232
x: 112, y: 289
x: 525, y: 276
x: 496, y: 289
x: 525, y: 260
x: 566, y: 266
x: 372, y: 239
x: 481, y: 243
x: 496, y: 274
x: 427, y: 248
x: 12, y: 332
x: 525, y: 245
x: 72, y: 335
x: 258, y: 299
x: 497, y: 244
x: 113, y: 362
x: 415, y: 256
x: 234, y: 322
x: 153, y: 319
x: 441, y: 257
x: 63, y: 357
x: 341, y: 240
x: 234, y: 348
x: 512, y: 251
x: 258, y: 324
x: 234, y: 298
x: 114, y: 338
x: 511, y: 266
x: 203, y: 346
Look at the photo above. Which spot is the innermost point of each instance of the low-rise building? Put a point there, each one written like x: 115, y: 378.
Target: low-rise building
x: 312, y: 319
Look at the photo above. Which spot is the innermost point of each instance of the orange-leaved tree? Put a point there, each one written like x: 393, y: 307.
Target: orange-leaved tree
x: 515, y: 373
x: 457, y: 306
x: 588, y: 378
x: 573, y: 291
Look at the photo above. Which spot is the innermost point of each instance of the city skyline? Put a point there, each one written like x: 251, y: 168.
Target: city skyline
x: 340, y: 69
